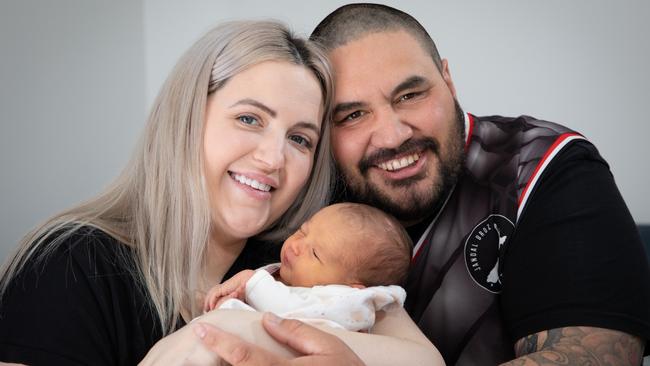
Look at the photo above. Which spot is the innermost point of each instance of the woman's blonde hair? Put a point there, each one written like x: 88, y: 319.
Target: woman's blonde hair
x: 159, y: 204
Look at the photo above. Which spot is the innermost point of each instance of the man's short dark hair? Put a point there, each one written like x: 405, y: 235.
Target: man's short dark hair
x: 353, y: 21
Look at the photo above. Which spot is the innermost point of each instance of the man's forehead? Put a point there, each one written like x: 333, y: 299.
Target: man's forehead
x: 370, y: 43
x: 378, y: 63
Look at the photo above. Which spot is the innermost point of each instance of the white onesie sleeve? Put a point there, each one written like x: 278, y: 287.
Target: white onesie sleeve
x: 336, y: 305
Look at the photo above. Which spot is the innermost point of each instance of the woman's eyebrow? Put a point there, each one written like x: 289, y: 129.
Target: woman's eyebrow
x: 309, y: 126
x: 255, y: 103
x: 248, y: 101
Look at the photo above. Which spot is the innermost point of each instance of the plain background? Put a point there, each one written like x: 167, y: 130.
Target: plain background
x: 77, y: 78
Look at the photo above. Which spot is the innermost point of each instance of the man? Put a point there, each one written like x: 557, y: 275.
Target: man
x: 522, y: 237
x: 525, y: 248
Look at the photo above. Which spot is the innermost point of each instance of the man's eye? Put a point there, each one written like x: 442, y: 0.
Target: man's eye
x: 407, y: 96
x: 352, y: 116
x: 248, y: 120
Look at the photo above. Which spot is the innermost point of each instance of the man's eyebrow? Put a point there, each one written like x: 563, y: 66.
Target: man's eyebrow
x: 257, y: 104
x: 411, y: 82
x: 344, y: 107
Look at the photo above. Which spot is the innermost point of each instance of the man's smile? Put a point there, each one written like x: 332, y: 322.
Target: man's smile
x: 399, y: 163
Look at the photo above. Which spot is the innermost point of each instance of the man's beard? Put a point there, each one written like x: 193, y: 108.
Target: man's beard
x: 414, y: 205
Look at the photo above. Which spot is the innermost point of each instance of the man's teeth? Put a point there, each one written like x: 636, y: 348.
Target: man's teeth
x: 396, y: 164
x: 252, y: 183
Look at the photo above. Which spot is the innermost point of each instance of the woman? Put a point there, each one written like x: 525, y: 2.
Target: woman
x: 228, y: 153
x: 235, y: 147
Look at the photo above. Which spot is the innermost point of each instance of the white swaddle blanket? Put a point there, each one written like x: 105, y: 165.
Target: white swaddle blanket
x: 338, y: 306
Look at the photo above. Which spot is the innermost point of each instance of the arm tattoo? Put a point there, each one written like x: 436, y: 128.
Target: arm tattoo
x: 578, y: 346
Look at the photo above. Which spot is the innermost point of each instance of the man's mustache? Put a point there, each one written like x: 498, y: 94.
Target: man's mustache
x: 408, y: 147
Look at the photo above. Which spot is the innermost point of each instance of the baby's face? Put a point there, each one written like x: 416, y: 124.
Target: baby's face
x: 316, y: 253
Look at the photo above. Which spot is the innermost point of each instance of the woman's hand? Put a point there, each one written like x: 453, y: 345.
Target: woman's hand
x: 398, y: 341
x: 316, y: 346
x: 202, y: 344
x: 182, y: 347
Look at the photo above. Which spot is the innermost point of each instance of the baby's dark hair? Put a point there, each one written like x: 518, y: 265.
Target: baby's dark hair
x: 382, y: 245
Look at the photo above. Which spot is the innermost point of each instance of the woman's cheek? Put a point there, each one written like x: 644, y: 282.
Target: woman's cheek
x: 307, y: 170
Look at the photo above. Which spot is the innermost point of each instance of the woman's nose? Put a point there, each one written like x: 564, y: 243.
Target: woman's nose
x: 270, y: 152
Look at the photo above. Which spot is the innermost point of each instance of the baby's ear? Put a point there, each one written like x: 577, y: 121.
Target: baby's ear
x: 357, y: 285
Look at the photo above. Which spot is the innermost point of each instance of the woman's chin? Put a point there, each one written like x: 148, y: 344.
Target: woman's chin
x: 244, y: 229
x: 237, y: 223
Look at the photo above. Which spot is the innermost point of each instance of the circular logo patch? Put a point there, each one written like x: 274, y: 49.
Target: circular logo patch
x: 483, y: 249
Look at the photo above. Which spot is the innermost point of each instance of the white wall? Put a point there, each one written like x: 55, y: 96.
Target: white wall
x: 72, y: 100
x: 78, y: 76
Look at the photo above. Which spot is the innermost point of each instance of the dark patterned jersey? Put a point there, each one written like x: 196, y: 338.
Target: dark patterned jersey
x: 464, y: 293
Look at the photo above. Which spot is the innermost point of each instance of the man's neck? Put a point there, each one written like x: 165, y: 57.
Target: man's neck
x: 416, y: 230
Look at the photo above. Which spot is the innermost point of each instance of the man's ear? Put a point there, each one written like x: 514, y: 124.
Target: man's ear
x: 446, y: 76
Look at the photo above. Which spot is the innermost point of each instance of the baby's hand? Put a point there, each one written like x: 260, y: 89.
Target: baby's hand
x: 239, y: 294
x: 233, y: 288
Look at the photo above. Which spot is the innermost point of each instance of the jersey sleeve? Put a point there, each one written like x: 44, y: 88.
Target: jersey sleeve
x: 576, y: 258
x: 77, y: 307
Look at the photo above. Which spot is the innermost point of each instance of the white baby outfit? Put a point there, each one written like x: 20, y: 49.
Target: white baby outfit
x: 338, y: 306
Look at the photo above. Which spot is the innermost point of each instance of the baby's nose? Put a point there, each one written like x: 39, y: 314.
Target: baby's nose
x: 295, y: 247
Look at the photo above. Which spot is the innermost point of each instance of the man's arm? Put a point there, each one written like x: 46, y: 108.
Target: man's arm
x: 576, y: 259
x: 578, y: 346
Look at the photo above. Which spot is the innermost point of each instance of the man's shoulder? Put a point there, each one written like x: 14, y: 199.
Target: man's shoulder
x: 496, y: 128
x: 520, y: 146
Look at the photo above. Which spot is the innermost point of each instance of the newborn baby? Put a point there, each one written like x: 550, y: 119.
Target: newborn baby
x: 339, y: 268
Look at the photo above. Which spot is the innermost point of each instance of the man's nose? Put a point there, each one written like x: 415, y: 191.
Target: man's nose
x: 390, y: 131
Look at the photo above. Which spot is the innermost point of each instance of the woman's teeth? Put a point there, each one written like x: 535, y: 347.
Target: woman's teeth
x: 251, y: 182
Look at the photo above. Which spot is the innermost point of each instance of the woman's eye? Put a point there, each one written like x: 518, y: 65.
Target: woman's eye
x: 249, y: 120
x: 300, y: 140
